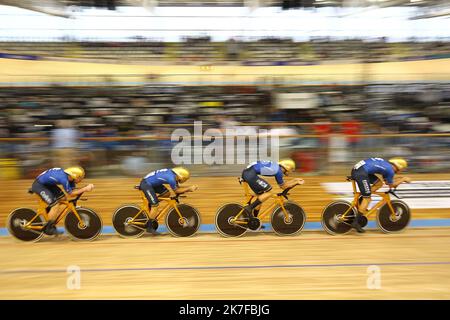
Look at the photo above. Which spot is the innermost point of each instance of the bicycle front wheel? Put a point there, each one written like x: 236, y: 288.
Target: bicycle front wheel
x: 17, y: 221
x: 390, y: 222
x: 291, y: 224
x: 186, y: 225
x: 88, y: 230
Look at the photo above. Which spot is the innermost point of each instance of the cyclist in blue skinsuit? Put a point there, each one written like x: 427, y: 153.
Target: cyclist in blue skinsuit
x: 364, y: 174
x: 46, y: 186
x: 161, y: 182
x: 262, y: 188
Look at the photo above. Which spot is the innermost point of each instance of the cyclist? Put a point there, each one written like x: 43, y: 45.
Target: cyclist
x: 364, y: 173
x: 160, y: 183
x: 262, y: 188
x: 46, y: 186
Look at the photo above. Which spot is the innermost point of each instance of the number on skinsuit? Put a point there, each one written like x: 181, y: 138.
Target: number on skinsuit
x: 359, y: 164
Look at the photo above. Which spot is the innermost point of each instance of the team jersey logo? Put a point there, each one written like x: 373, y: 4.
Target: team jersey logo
x: 45, y: 196
x: 262, y: 183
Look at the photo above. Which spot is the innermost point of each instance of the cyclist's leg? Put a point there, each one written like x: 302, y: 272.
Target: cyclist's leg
x: 259, y: 186
x: 51, y: 195
x: 153, y: 203
x: 150, y: 195
x: 56, y: 207
x: 54, y: 212
x: 363, y: 181
x: 376, y: 183
x: 256, y: 210
x: 161, y: 191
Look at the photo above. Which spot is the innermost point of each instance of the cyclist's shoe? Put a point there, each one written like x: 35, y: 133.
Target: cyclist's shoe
x: 357, y: 226
x: 151, y: 226
x: 254, y: 224
x: 50, y: 229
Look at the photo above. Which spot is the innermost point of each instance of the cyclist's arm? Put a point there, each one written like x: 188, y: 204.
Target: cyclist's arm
x: 70, y: 189
x: 377, y: 185
x: 398, y: 181
x: 172, y: 193
x: 291, y: 183
x: 180, y: 190
x: 286, y: 184
x: 184, y: 189
x: 76, y: 192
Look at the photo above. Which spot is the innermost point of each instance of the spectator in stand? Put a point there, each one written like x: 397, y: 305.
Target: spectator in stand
x: 322, y: 127
x: 351, y: 126
x: 233, y: 49
x: 65, y: 142
x: 4, y: 131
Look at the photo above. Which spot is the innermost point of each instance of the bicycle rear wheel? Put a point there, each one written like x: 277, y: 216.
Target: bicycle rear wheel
x: 17, y: 220
x: 332, y: 222
x: 390, y: 223
x: 122, y: 221
x: 223, y: 220
x: 186, y: 226
x: 92, y: 225
x: 291, y: 225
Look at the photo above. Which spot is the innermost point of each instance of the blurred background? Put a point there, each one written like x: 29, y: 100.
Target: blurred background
x: 105, y: 83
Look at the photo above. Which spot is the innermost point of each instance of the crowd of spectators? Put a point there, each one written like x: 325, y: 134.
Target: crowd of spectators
x: 108, y: 124
x: 264, y: 51
x: 420, y: 108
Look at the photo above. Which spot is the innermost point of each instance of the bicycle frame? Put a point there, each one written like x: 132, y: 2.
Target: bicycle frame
x: 386, y: 199
x: 42, y: 206
x: 171, y: 203
x: 277, y: 200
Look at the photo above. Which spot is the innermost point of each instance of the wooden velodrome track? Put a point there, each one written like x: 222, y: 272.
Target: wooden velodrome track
x: 312, y: 265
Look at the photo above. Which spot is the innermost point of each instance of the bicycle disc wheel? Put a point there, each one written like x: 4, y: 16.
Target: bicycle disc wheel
x: 331, y: 217
x: 92, y: 225
x: 291, y: 225
x: 17, y: 220
x: 121, y: 221
x: 223, y: 220
x: 396, y: 222
x: 186, y: 226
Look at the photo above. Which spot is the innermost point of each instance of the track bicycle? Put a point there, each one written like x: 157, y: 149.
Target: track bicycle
x: 287, y: 217
x: 81, y: 223
x: 181, y: 219
x: 391, y: 215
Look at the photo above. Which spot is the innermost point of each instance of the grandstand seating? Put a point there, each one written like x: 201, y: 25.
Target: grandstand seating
x: 203, y: 51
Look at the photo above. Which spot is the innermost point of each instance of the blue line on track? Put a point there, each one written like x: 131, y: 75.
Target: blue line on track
x: 304, y: 266
x: 420, y: 223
